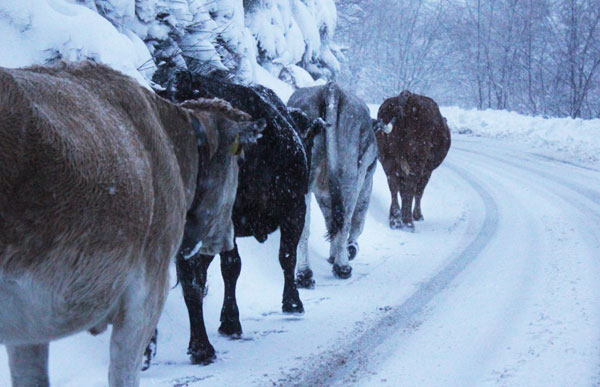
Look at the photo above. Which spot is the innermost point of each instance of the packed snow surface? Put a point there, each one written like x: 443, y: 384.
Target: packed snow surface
x: 499, y: 285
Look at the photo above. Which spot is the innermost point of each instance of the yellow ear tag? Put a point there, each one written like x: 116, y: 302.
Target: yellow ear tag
x: 234, y: 148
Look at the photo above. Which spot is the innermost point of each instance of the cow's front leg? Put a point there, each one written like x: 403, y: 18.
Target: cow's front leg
x: 191, y: 272
x: 231, y: 266
x: 28, y: 365
x: 304, y: 274
x: 291, y: 229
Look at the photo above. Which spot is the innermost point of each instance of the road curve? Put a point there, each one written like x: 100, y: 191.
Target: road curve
x: 356, y: 358
x: 518, y: 305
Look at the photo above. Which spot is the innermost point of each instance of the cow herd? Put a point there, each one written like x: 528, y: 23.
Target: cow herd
x: 103, y: 182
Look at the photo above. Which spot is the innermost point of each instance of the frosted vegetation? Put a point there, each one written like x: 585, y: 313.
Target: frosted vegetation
x: 538, y: 57
x: 266, y: 41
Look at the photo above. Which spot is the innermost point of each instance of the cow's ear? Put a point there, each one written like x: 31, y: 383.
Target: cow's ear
x: 320, y: 125
x: 182, y: 84
x: 205, y: 137
x: 250, y: 132
x: 378, y: 125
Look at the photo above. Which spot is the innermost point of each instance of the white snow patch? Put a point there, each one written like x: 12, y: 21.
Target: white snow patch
x: 194, y: 251
x: 41, y: 31
x: 573, y: 139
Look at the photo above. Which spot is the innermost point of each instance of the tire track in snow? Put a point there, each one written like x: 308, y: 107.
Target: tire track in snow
x: 348, y: 361
x: 588, y: 193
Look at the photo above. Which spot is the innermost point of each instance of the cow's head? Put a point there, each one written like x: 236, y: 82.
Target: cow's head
x: 305, y: 127
x: 220, y: 129
x: 223, y: 134
x: 392, y: 110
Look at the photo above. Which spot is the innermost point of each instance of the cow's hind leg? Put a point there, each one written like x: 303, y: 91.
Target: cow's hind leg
x: 291, y: 229
x: 28, y: 365
x: 395, y: 216
x: 231, y: 266
x: 134, y: 322
x: 407, y: 194
x: 304, y: 274
x: 191, y: 273
x: 338, y: 249
x: 150, y: 352
x: 360, y: 212
x: 417, y: 213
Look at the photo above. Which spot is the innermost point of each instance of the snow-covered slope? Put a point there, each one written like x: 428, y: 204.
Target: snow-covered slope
x: 563, y: 138
x: 263, y: 41
x: 40, y: 32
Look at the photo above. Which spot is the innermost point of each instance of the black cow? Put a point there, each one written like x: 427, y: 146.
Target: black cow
x: 272, y: 183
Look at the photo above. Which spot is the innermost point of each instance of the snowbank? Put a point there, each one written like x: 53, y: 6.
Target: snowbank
x: 282, y: 44
x: 567, y: 138
x: 41, y: 32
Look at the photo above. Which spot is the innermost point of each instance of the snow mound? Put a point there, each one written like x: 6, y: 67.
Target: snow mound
x: 281, y: 44
x: 574, y: 139
x: 42, y: 32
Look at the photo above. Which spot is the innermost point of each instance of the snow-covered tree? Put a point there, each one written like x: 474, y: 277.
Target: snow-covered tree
x: 531, y: 56
x: 265, y: 41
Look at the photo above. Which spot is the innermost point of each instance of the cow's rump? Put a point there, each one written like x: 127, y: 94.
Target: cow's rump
x: 78, y: 198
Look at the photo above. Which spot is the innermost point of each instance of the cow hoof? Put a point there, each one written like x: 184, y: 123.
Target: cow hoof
x: 331, y: 260
x: 352, y: 250
x: 203, y: 355
x: 408, y: 227
x: 395, y: 224
x: 418, y: 217
x: 150, y: 352
x: 304, y: 279
x: 342, y: 272
x: 232, y: 329
x: 146, y: 362
x: 292, y: 307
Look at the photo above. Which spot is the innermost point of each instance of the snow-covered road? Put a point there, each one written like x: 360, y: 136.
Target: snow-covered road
x: 500, y: 285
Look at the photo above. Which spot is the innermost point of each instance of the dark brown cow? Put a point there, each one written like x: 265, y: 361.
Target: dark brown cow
x: 418, y: 144
x: 96, y: 176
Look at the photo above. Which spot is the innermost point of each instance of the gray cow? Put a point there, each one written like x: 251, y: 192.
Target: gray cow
x: 341, y: 175
x: 96, y: 176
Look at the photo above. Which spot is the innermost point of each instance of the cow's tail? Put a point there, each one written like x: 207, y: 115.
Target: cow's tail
x: 331, y: 112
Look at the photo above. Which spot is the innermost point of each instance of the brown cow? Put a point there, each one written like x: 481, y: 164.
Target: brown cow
x: 418, y: 144
x: 96, y: 176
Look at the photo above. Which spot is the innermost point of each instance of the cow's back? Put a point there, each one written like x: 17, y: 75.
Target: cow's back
x: 85, y: 191
x: 274, y: 174
x: 351, y: 128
